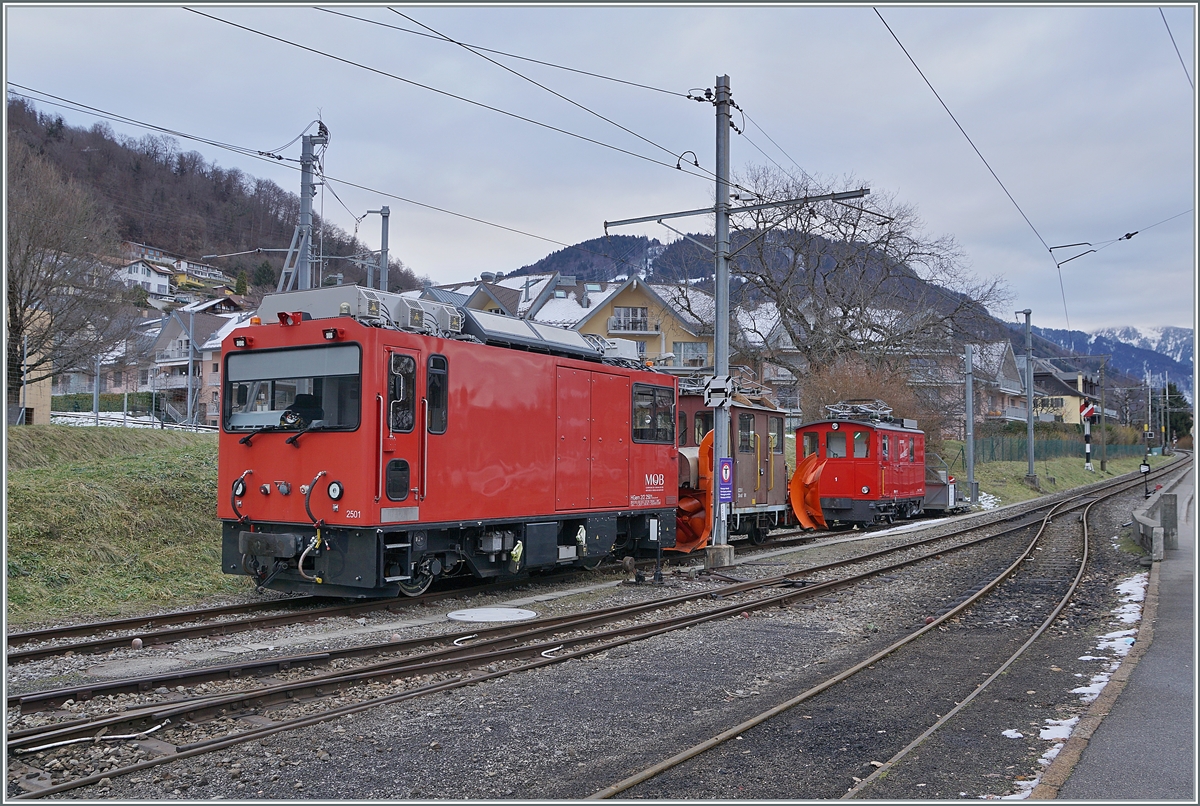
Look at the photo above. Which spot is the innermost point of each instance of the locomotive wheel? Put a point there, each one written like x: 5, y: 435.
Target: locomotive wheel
x: 757, y: 534
x: 591, y: 563
x: 416, y: 586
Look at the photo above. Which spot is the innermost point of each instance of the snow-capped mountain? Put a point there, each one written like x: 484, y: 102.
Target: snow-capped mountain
x: 1164, y: 352
x: 1173, y: 342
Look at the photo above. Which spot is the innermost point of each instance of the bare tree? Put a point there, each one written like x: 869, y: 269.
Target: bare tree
x: 62, y: 297
x: 857, y: 277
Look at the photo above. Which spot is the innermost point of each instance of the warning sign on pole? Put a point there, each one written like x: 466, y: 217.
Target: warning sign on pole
x: 1086, y: 409
x: 725, y: 480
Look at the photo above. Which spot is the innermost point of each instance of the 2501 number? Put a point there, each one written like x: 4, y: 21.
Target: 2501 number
x: 354, y: 513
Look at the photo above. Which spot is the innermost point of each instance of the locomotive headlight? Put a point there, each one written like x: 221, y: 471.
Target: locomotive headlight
x: 239, y: 488
x: 866, y: 489
x: 336, y: 490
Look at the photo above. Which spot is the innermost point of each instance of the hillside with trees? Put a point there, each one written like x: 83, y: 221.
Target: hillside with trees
x: 156, y: 193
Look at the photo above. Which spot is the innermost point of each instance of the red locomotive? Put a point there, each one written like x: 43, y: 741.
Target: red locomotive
x: 371, y: 443
x: 865, y: 468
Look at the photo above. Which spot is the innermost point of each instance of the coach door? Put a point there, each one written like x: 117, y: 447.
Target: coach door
x: 401, y: 449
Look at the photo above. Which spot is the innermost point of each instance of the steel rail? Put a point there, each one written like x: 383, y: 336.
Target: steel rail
x: 1045, y: 625
x: 1084, y: 498
x: 640, y: 632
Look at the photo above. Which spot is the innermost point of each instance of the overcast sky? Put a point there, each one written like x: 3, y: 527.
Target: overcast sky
x: 1085, y: 114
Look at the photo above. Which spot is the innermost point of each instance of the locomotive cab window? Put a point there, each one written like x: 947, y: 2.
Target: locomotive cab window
x: 703, y: 422
x: 862, y: 444
x: 682, y: 428
x: 397, y: 478
x: 306, y: 387
x: 436, y: 379
x: 883, y: 447
x: 745, y: 433
x: 835, y: 445
x: 653, y: 414
x: 902, y: 446
x: 402, y: 387
x: 775, y: 426
x: 811, y: 442
x: 912, y: 450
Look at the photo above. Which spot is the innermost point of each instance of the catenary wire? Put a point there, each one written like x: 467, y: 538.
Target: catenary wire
x: 445, y: 93
x: 1177, y: 53
x: 556, y: 94
x: 1057, y: 265
x: 509, y: 55
x: 100, y: 113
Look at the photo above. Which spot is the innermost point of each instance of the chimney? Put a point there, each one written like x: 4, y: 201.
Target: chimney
x: 526, y: 297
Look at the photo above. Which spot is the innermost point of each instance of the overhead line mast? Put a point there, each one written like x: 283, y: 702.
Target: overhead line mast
x: 720, y: 553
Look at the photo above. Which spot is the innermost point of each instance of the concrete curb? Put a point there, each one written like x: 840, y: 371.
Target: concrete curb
x: 1060, y: 769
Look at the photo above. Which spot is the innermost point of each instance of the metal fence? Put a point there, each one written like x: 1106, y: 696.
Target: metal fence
x: 1012, y: 449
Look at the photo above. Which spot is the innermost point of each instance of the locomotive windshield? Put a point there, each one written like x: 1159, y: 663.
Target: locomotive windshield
x: 307, y: 387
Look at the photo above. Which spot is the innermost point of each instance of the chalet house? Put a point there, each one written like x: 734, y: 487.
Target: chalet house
x: 154, y: 277
x: 1061, y: 390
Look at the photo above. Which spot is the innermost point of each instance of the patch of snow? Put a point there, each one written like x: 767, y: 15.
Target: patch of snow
x: 1057, y: 729
x: 988, y: 501
x: 1013, y: 734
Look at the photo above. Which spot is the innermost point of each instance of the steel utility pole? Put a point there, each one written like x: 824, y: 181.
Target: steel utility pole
x: 970, y: 432
x: 723, y: 101
x: 1030, y: 476
x: 298, y: 274
x: 720, y: 535
x: 1103, y: 426
x: 384, y: 211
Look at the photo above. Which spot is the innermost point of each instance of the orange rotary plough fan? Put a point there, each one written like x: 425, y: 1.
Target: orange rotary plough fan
x: 693, y: 520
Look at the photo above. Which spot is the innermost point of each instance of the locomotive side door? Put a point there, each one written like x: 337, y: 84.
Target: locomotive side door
x: 573, y: 450
x: 775, y: 462
x: 610, y: 440
x: 401, y: 451
x: 747, y: 454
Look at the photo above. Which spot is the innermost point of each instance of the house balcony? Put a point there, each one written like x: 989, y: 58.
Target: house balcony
x: 1008, y: 413
x: 620, y: 324
x: 175, y: 382
x: 174, y: 354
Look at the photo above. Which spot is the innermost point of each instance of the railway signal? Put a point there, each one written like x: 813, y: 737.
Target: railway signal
x: 1086, y: 410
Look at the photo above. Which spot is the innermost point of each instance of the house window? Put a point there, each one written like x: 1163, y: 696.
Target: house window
x: 689, y: 353
x: 592, y: 286
x: 641, y: 348
x: 144, y: 376
x: 631, y: 319
x: 116, y: 378
x: 560, y: 294
x: 745, y: 433
x: 216, y: 367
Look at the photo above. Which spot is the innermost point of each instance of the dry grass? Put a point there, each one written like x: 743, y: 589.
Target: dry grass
x: 103, y: 521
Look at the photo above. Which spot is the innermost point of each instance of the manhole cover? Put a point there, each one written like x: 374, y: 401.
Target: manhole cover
x: 492, y: 614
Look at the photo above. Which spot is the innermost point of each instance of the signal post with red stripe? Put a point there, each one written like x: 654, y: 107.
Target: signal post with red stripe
x: 1086, y: 410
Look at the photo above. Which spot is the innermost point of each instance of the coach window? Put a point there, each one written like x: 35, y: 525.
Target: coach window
x: 703, y: 423
x: 835, y: 445
x: 775, y: 426
x: 745, y: 433
x: 811, y: 442
x: 653, y: 414
x: 682, y: 428
x: 862, y: 443
x: 402, y: 398
x: 883, y: 447
x: 435, y: 392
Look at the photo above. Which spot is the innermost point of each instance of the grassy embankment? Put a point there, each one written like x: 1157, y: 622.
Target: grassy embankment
x: 1006, y: 480
x: 106, y: 521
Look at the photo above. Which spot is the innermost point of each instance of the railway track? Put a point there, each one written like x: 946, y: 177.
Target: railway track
x: 463, y: 659
x: 1042, y: 579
